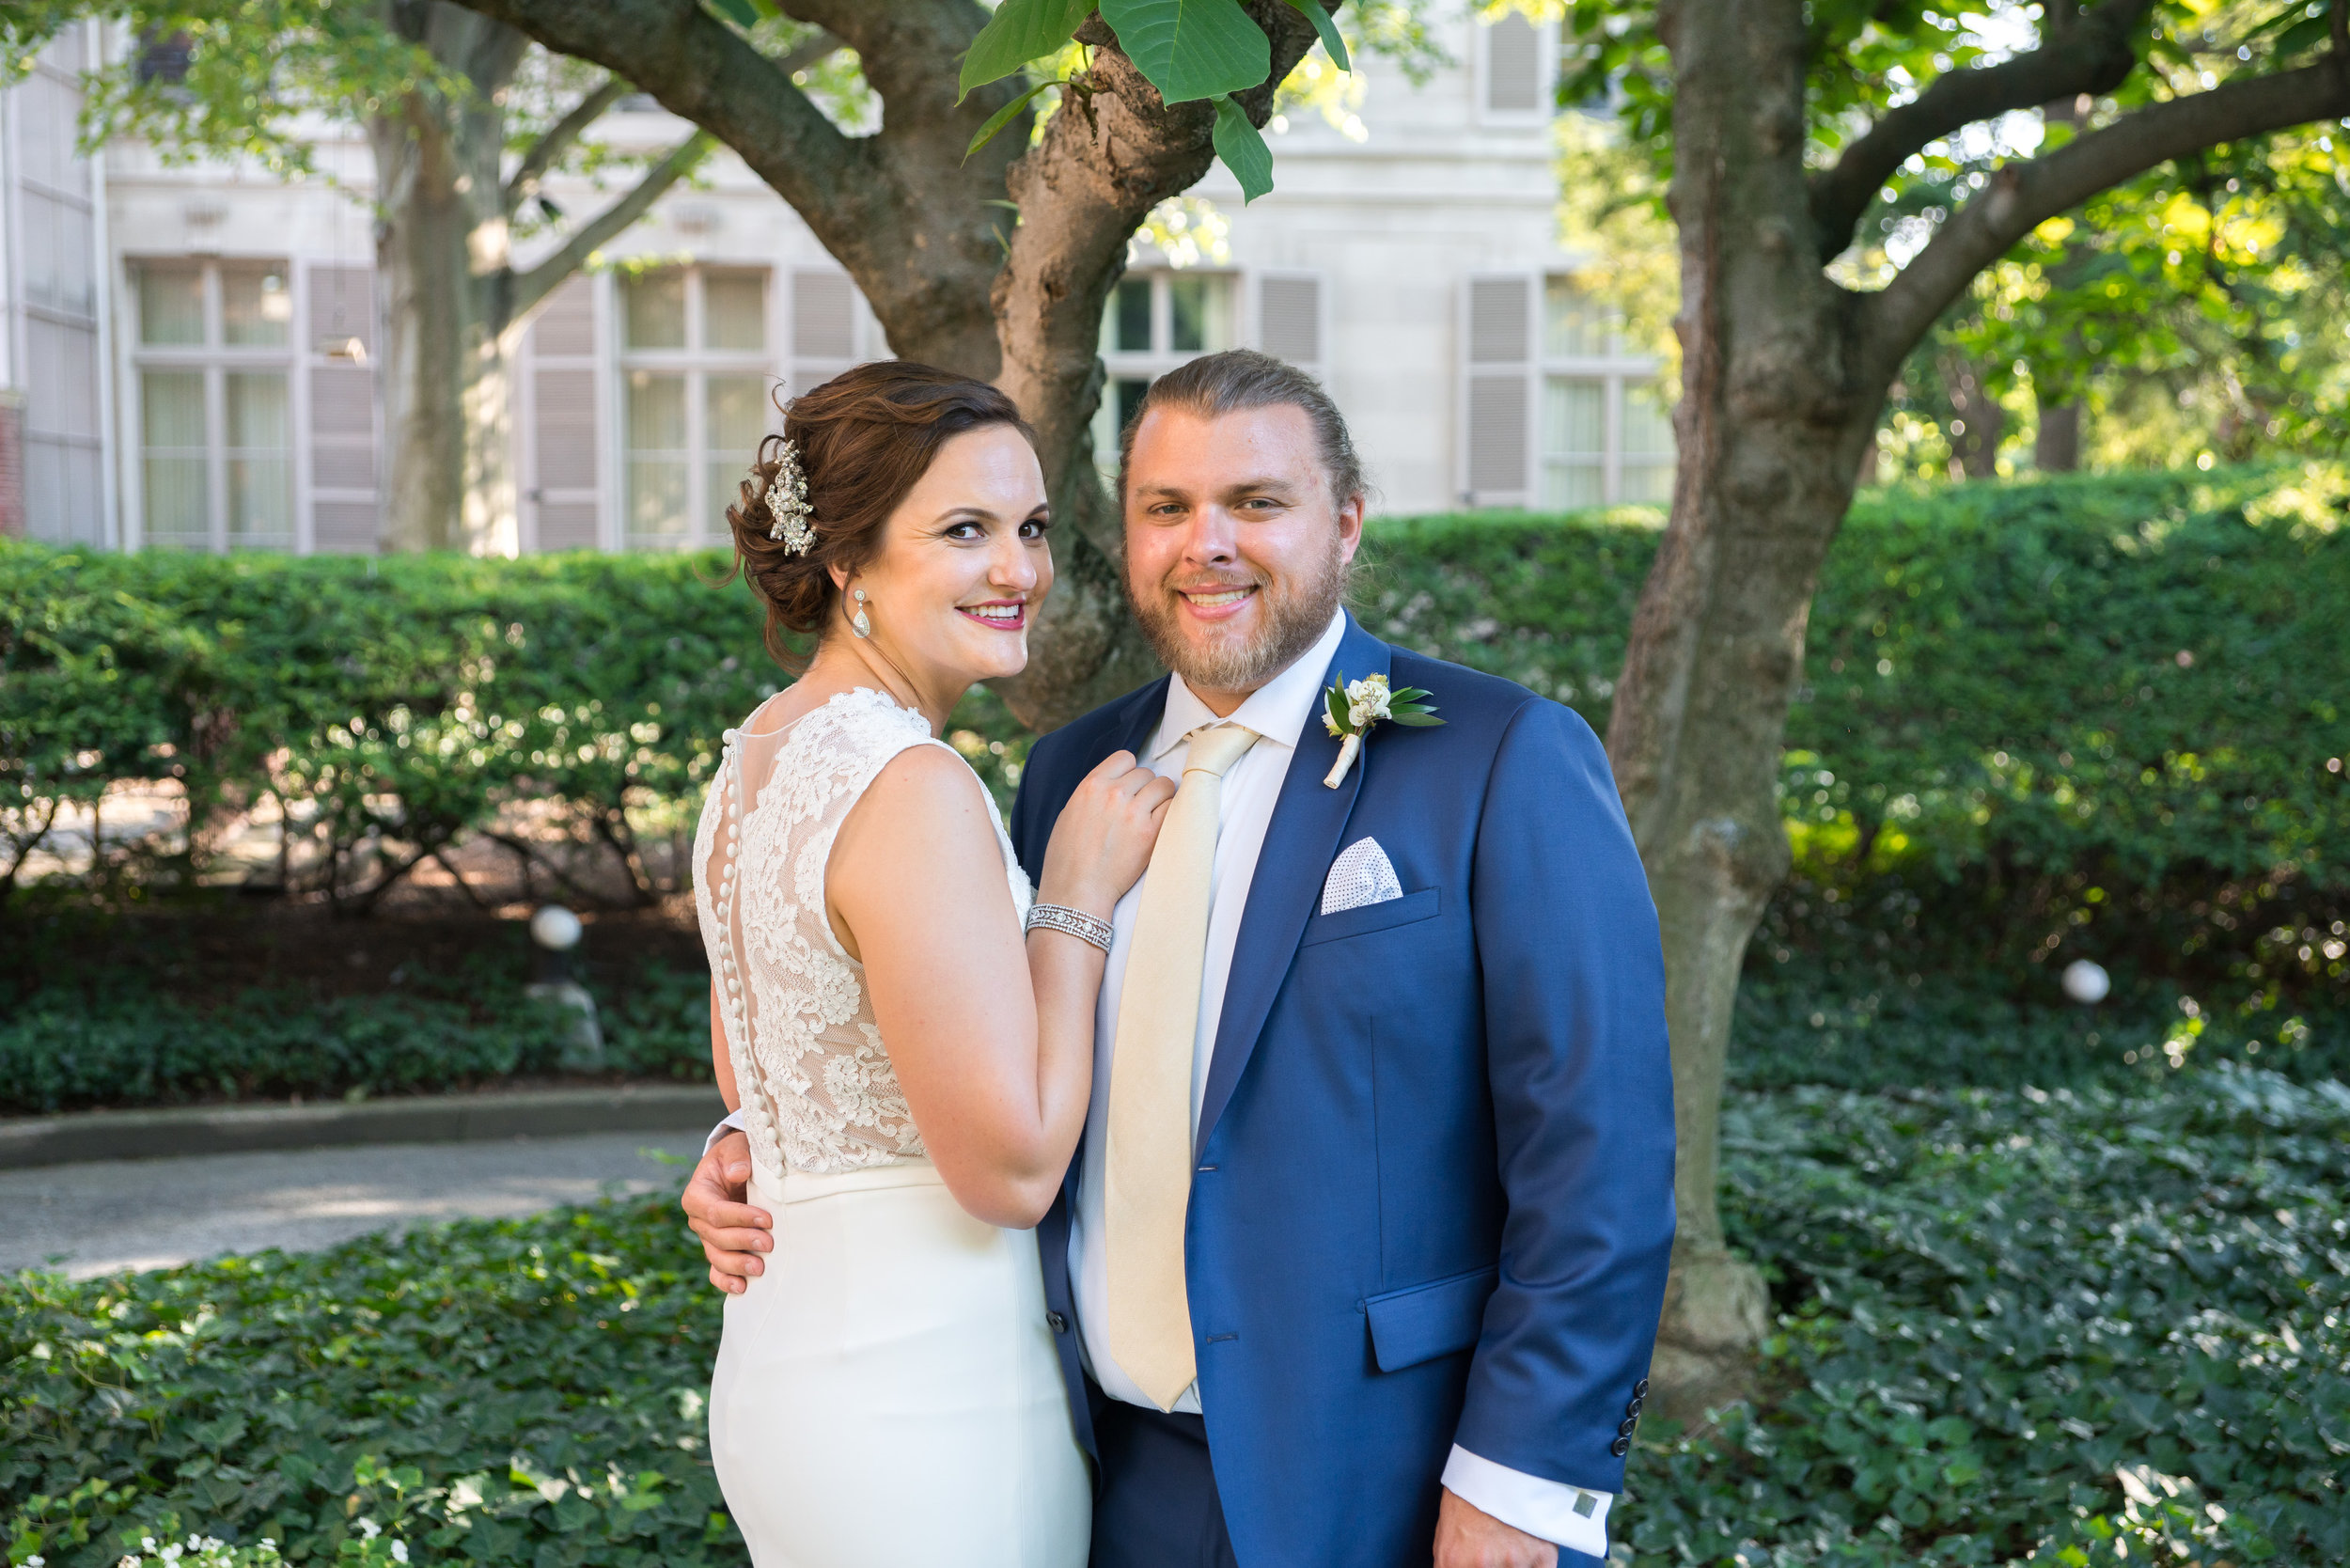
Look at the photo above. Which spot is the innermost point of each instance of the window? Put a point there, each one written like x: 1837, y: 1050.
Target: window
x: 1514, y: 84
x: 1556, y: 410
x: 694, y: 399
x: 1606, y: 436
x: 215, y: 411
x: 1154, y: 321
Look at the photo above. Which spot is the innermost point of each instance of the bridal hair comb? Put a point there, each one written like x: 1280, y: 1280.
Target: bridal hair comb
x: 786, y: 502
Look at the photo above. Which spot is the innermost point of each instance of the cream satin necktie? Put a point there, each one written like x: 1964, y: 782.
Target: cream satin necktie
x: 1148, y: 1157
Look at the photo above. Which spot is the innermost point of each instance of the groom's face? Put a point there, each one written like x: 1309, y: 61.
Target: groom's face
x: 1236, y: 550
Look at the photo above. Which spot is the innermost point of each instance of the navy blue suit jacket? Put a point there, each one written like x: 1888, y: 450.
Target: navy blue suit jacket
x: 1433, y: 1195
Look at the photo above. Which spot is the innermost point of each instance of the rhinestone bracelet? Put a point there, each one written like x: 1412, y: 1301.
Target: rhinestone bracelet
x: 1073, y: 922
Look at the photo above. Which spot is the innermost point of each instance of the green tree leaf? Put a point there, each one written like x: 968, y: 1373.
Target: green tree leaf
x: 1193, y: 49
x: 741, y: 12
x: 1242, y: 147
x: 1020, y: 31
x: 1003, y: 117
x: 1326, y: 26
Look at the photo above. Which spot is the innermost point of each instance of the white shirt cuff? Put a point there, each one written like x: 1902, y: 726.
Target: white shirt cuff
x: 1571, y: 1517
x: 733, y: 1124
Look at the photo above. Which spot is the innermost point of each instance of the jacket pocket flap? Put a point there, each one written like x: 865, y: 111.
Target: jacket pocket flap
x: 1366, y: 917
x: 1422, y: 1323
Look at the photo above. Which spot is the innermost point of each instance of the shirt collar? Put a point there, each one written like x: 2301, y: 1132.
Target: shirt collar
x: 1277, y: 711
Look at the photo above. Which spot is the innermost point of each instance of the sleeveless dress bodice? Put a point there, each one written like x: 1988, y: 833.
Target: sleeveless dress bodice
x: 888, y: 1388
x: 818, y: 1088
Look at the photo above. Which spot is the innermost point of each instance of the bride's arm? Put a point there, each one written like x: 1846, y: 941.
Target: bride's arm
x: 991, y: 1037
x: 722, y: 1059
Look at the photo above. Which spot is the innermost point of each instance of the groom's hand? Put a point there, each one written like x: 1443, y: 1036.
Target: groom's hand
x: 1467, y: 1537
x: 734, y: 1233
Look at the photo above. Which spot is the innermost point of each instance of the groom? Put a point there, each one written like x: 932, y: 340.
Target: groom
x: 1396, y: 1282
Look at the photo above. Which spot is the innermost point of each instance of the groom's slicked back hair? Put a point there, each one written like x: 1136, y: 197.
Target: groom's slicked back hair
x: 1216, y: 384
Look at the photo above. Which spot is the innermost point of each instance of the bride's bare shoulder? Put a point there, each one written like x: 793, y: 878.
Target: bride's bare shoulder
x: 926, y: 785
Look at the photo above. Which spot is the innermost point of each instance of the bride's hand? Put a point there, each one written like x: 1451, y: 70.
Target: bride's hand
x: 1102, y: 844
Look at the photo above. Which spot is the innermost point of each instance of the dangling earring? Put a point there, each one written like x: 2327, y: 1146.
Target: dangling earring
x: 861, y: 624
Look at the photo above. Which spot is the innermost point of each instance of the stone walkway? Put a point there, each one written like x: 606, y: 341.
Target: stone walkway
x: 95, y: 1218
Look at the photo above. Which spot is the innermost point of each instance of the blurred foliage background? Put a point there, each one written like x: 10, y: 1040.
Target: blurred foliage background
x: 2098, y: 717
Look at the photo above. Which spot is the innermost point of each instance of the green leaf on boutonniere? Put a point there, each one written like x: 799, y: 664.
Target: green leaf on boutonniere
x: 1416, y: 721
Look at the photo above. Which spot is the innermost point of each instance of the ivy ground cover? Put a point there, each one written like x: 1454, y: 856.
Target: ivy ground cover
x: 2014, y: 1326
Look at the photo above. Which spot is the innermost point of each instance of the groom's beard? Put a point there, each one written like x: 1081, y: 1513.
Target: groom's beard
x: 1292, y: 615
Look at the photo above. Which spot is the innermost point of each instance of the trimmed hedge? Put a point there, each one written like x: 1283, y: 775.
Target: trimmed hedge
x: 2010, y: 1323
x: 2102, y: 717
x: 2098, y: 716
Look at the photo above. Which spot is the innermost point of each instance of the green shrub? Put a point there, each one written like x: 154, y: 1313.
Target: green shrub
x: 2009, y: 1323
x: 2097, y: 716
x: 80, y: 1035
x: 2019, y: 1323
x: 510, y: 1393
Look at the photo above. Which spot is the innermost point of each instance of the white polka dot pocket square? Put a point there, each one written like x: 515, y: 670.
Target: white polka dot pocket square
x: 1361, y: 874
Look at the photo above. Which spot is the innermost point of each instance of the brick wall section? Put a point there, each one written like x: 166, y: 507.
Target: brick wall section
x: 11, y: 464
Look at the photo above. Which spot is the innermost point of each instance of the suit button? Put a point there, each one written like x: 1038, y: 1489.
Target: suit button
x: 1624, y: 1428
x: 1621, y: 1446
x: 1633, y: 1408
x: 1640, y: 1390
x: 1059, y: 1325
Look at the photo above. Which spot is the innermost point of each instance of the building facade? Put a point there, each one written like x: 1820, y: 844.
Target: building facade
x: 187, y: 351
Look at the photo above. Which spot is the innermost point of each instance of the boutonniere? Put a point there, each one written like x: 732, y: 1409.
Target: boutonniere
x: 1350, y: 708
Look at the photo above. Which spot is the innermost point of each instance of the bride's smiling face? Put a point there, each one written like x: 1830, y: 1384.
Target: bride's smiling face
x: 964, y: 564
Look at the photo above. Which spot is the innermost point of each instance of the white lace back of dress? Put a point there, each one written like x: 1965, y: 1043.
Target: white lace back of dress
x: 817, y: 1086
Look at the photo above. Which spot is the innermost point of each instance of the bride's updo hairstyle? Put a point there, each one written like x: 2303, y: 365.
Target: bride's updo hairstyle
x: 865, y: 438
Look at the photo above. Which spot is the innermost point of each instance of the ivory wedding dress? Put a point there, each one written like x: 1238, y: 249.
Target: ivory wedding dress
x: 886, y: 1391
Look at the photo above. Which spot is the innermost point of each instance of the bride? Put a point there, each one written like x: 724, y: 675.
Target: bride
x: 913, y: 1082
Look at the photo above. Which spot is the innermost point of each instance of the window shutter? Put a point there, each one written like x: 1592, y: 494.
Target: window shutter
x: 1289, y: 317
x: 823, y: 327
x: 346, y: 499
x: 561, y: 492
x: 1498, y: 392
x: 1516, y: 78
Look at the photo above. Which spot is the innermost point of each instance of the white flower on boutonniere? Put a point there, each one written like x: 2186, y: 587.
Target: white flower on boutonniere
x: 1351, y: 708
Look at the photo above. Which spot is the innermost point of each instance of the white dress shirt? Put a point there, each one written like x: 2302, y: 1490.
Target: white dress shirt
x: 1278, y: 712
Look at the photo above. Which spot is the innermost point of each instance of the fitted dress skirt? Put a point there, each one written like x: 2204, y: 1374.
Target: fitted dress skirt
x: 888, y: 1389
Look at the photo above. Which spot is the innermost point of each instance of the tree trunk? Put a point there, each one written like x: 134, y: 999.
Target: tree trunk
x: 1772, y: 426
x: 1977, y: 421
x: 442, y: 255
x: 2057, y: 449
x: 1111, y: 153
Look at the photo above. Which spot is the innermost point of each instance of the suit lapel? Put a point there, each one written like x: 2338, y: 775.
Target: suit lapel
x: 1299, y: 844
x: 1141, y: 720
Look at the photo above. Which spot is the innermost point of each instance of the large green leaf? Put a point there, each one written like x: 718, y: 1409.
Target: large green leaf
x: 1328, y: 29
x: 1193, y: 49
x: 1020, y: 31
x: 1243, y: 149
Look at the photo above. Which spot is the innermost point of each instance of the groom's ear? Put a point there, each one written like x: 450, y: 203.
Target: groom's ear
x: 1349, y: 529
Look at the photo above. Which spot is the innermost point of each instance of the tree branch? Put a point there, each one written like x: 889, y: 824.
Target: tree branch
x: 703, y: 72
x: 560, y: 137
x: 2094, y: 57
x: 902, y: 210
x: 2025, y: 194
x: 557, y: 140
x: 527, y: 288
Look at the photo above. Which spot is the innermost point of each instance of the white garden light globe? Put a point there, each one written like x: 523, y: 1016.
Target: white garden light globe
x: 558, y: 929
x: 2085, y: 982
